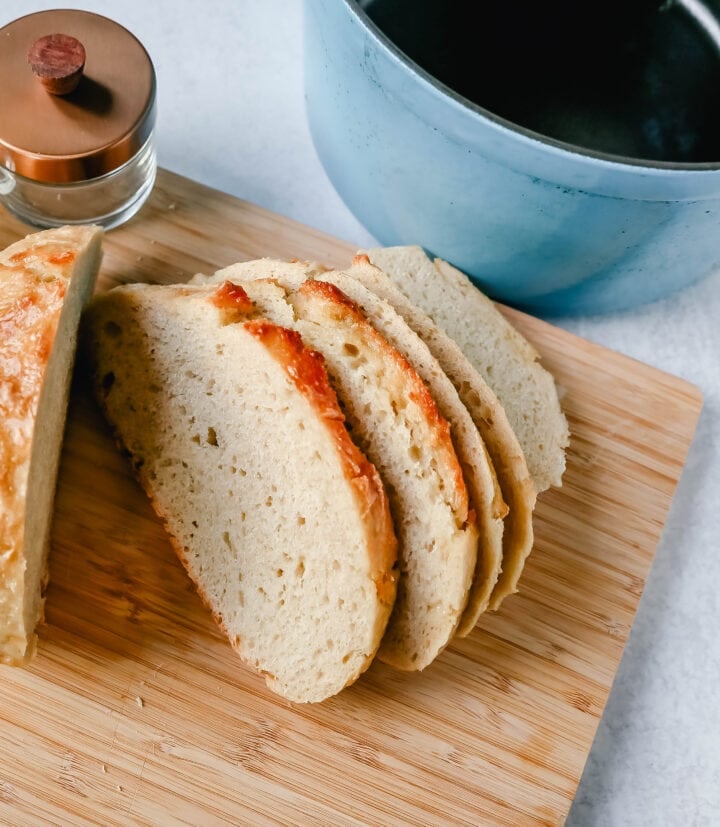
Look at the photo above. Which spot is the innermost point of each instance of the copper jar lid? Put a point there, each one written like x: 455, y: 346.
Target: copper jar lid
x: 54, y: 133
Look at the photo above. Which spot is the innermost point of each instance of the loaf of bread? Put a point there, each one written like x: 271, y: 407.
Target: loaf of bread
x: 501, y: 355
x: 45, y: 280
x: 237, y: 436
x: 396, y: 421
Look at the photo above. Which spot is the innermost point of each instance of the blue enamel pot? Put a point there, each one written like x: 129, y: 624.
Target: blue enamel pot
x: 538, y: 223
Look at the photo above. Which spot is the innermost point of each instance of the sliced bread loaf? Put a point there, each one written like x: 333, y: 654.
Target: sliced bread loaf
x: 490, y: 418
x: 238, y: 439
x: 483, y: 489
x: 45, y: 280
x: 501, y: 355
x: 396, y: 421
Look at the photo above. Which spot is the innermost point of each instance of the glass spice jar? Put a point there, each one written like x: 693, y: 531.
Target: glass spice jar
x: 77, y: 97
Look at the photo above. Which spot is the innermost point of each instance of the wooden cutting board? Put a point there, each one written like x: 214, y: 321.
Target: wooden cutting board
x: 136, y: 710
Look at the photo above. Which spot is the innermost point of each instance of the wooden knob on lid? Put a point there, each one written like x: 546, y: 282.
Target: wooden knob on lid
x: 57, y: 60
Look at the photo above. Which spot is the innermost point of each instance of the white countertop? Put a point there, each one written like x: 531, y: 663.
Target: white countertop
x: 232, y: 116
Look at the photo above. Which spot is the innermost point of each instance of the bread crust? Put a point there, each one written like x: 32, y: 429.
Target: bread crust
x: 35, y: 275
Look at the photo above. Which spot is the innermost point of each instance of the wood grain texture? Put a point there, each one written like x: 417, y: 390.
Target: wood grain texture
x: 136, y: 710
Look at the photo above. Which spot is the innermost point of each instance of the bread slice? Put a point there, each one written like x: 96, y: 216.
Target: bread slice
x: 238, y: 439
x: 490, y: 418
x: 501, y: 355
x: 45, y: 280
x: 483, y: 489
x: 396, y: 422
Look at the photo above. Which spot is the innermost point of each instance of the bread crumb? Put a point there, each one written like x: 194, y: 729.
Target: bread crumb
x: 104, y: 767
x: 171, y: 206
x: 140, y: 702
x: 119, y: 788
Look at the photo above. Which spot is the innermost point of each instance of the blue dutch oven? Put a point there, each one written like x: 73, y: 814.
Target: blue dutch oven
x: 538, y: 223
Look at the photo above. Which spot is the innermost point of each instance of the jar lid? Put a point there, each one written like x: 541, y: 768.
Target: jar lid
x: 51, y: 135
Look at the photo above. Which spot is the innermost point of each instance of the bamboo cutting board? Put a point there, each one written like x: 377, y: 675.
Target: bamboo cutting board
x: 136, y: 710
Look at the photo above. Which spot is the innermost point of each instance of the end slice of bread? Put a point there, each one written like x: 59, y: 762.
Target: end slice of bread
x: 238, y: 438
x: 501, y: 355
x: 45, y: 281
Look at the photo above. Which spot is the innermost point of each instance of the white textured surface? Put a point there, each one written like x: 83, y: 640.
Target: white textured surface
x: 232, y: 116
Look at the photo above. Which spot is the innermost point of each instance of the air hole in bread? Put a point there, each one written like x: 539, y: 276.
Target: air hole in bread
x: 330, y: 643
x: 113, y: 330
x: 196, y: 439
x: 279, y: 573
x: 241, y: 598
x: 107, y: 382
x: 300, y: 519
x: 269, y: 501
x: 211, y: 437
x: 415, y: 453
x: 351, y: 349
x: 300, y: 568
x: 190, y: 374
x: 219, y: 349
x: 347, y: 657
x: 226, y: 538
x: 336, y: 565
x: 243, y: 516
x: 195, y: 523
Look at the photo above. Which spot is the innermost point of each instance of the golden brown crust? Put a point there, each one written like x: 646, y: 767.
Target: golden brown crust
x: 232, y: 297
x: 34, y: 277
